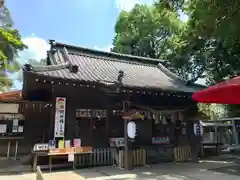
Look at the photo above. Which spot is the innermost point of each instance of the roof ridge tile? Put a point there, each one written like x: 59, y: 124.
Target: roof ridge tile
x: 55, y: 44
x: 112, y: 59
x: 29, y: 67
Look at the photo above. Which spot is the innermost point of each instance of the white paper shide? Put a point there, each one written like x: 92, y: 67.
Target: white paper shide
x: 60, y: 117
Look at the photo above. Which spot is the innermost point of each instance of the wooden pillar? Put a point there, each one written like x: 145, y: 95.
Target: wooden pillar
x: 52, y: 116
x: 108, y: 119
x: 70, y: 119
x: 174, y: 117
x: 181, y: 116
x: 127, y: 143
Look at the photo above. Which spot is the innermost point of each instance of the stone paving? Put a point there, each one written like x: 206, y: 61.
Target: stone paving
x: 30, y: 176
x: 214, y: 169
x: 169, y: 171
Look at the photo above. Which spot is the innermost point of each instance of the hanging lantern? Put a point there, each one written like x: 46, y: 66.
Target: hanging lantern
x: 131, y: 129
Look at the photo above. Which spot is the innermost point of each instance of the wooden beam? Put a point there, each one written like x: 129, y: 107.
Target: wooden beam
x: 11, y: 96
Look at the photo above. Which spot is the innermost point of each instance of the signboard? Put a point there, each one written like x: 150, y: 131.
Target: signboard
x: 132, y: 115
x: 159, y: 155
x: 71, y: 157
x: 77, y: 142
x: 3, y: 128
x: 60, y: 112
x: 40, y: 147
x: 160, y: 140
x: 198, y: 129
x: 52, y: 144
x: 116, y: 142
x: 9, y: 108
x: 237, y: 124
x: 15, y: 126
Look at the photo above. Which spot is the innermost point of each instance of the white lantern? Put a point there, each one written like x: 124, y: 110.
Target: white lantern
x: 198, y: 129
x: 131, y: 130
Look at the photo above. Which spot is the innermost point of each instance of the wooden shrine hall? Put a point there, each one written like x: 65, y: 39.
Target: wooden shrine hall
x: 95, y: 90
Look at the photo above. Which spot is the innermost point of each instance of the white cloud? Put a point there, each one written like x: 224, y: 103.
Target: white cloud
x: 127, y: 5
x: 106, y: 48
x: 37, y: 49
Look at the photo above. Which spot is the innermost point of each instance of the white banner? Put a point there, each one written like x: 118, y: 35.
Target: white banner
x: 60, y: 117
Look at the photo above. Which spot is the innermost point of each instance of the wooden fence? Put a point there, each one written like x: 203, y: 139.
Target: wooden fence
x: 110, y: 156
x: 39, y: 174
x: 182, y: 153
x: 139, y: 158
x: 99, y: 157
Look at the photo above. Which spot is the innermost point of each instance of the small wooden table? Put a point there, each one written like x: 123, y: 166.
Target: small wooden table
x: 51, y: 156
x: 35, y: 158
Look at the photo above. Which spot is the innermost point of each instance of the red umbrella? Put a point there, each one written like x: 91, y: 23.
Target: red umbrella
x: 226, y: 92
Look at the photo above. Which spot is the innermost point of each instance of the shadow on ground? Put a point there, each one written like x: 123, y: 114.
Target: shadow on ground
x: 231, y: 170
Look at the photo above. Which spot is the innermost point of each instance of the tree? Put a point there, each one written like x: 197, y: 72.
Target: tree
x: 157, y: 32
x: 206, y: 46
x: 214, y: 111
x: 144, y: 31
x: 10, y: 45
x: 215, y: 23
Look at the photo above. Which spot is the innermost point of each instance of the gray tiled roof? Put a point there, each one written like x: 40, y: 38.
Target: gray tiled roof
x: 99, y: 67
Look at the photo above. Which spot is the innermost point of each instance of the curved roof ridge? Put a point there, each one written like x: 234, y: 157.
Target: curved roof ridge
x: 147, y: 60
x: 170, y: 73
x: 28, y: 67
x: 112, y: 59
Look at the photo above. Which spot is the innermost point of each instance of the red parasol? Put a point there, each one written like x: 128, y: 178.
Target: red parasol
x: 226, y: 92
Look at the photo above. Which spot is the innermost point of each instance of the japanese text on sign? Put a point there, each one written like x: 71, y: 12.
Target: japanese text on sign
x: 60, y: 117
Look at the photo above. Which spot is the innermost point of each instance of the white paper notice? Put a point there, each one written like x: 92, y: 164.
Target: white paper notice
x: 15, y: 126
x: 70, y: 157
x: 15, y: 122
x: 67, y: 144
x: 3, y: 128
x: 20, y: 129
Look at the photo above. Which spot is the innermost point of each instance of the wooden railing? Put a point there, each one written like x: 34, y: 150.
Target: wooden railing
x: 182, y: 153
x: 110, y: 156
x: 139, y: 158
x: 39, y: 174
x: 99, y: 157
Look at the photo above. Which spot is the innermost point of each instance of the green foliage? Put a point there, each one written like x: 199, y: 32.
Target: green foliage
x: 10, y: 45
x: 214, y: 111
x: 206, y: 46
x: 144, y: 31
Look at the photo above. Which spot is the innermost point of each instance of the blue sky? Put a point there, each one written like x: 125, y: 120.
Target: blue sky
x: 88, y: 23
